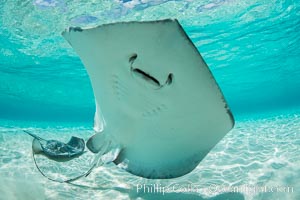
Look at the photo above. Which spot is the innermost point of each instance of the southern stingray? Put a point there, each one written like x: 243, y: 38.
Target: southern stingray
x: 59, y: 152
x: 56, y: 150
x: 156, y: 100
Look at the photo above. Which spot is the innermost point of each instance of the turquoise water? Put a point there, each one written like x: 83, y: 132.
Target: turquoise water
x: 252, y: 48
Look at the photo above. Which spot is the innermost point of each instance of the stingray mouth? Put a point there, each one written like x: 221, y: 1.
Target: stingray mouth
x: 136, y: 72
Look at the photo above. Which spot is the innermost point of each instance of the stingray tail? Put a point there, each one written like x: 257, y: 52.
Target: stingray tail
x: 34, y: 136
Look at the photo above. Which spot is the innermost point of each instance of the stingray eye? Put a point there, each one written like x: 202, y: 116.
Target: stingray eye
x: 133, y: 57
x: 170, y: 79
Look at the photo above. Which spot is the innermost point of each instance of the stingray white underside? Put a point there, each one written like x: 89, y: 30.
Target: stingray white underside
x: 155, y: 96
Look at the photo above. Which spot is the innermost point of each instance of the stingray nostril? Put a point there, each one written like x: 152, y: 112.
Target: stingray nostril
x: 170, y: 79
x: 132, y: 57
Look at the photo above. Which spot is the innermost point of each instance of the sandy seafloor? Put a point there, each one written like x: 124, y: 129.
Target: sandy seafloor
x: 258, y: 159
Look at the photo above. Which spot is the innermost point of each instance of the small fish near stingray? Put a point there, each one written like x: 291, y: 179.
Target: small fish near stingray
x: 157, y: 104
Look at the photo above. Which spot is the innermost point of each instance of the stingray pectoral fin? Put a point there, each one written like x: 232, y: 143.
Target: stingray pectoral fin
x: 112, y: 155
x: 105, y: 148
x: 36, y: 146
x: 97, y: 142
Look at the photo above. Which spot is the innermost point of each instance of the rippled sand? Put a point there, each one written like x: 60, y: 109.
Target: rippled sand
x: 258, y: 159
